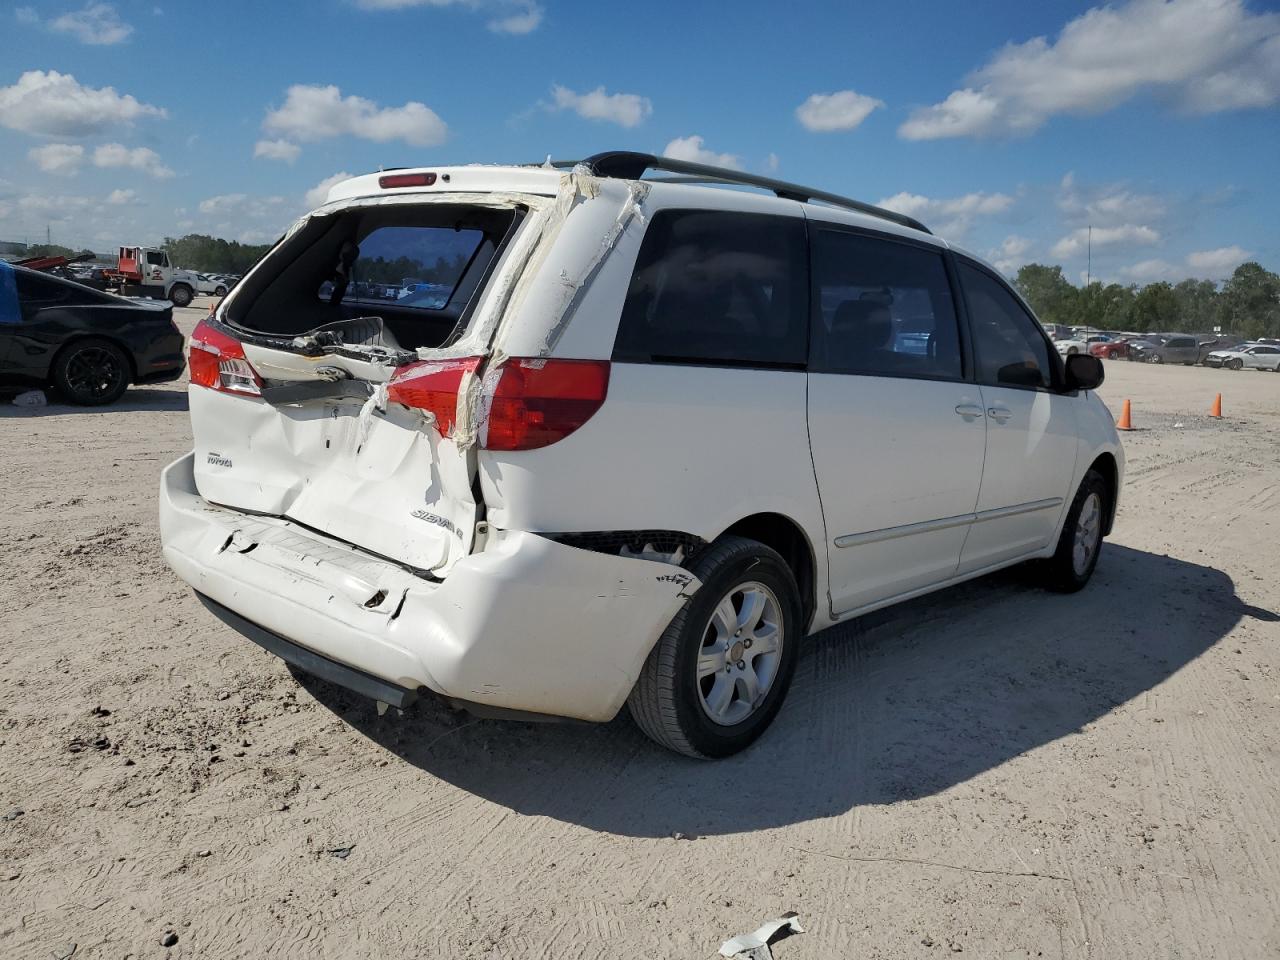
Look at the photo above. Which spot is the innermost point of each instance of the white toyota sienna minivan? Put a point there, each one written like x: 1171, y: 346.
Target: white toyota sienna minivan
x: 544, y: 441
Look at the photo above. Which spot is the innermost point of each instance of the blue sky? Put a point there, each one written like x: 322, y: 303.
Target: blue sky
x: 1007, y: 126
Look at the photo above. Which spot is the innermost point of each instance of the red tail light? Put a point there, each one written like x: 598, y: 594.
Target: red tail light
x: 535, y: 402
x: 217, y: 361
x: 406, y: 180
x: 432, y: 385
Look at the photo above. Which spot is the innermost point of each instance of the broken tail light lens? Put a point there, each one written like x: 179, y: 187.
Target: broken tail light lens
x: 217, y: 361
x: 432, y: 385
x: 533, y: 402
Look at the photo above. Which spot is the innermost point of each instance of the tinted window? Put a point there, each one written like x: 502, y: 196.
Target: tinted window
x: 1181, y: 342
x: 881, y: 307
x: 36, y: 289
x: 47, y: 292
x: 413, y: 266
x: 1010, y: 349
x: 715, y: 287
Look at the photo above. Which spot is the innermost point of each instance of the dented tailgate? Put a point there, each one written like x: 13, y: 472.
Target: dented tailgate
x: 325, y: 447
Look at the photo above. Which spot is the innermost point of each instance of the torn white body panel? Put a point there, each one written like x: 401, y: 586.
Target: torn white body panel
x: 526, y: 624
x: 382, y: 478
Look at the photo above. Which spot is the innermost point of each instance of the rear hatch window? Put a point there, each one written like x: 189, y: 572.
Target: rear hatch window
x: 417, y: 267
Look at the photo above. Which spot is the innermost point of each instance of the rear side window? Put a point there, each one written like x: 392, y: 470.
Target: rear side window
x: 882, y: 308
x: 1010, y: 349
x: 411, y: 266
x: 1180, y: 342
x: 717, y: 288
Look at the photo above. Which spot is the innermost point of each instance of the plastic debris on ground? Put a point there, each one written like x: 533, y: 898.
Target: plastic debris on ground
x: 32, y: 398
x: 755, y: 945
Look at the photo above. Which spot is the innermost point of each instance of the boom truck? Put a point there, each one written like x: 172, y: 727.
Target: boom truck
x: 148, y: 272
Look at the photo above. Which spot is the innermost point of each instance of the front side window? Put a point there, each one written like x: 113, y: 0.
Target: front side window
x: 155, y: 259
x: 1010, y: 350
x: 882, y: 307
x: 717, y: 288
x: 411, y: 266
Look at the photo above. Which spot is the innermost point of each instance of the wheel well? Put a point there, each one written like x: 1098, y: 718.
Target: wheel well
x: 1105, y: 464
x: 128, y: 354
x: 785, y: 536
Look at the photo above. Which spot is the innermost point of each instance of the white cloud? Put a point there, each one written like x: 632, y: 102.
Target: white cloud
x: 951, y: 216
x: 506, y: 16
x: 63, y: 159
x: 1149, y: 271
x: 56, y: 104
x: 691, y: 149
x: 525, y: 18
x: 1217, y: 263
x: 772, y: 162
x: 1077, y: 241
x: 624, y: 109
x: 1206, y: 55
x: 120, y: 198
x: 223, y: 203
x: 318, y: 113
x: 1011, y: 254
x: 277, y: 150
x: 26, y: 15
x: 1106, y: 205
x: 97, y: 24
x: 142, y: 159
x: 318, y: 194
x: 843, y: 110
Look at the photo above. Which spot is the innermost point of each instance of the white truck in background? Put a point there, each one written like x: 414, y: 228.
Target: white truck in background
x: 148, y: 272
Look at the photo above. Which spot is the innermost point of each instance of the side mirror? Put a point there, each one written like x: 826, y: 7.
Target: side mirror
x: 1084, y: 372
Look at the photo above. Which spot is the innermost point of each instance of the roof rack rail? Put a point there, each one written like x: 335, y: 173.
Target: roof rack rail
x: 628, y: 165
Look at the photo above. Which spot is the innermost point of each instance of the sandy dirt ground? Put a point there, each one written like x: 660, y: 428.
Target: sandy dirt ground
x: 993, y: 770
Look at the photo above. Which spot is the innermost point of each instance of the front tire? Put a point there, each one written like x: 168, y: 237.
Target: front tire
x: 1235, y: 364
x: 1113, y: 354
x: 1080, y: 543
x: 181, y: 295
x: 220, y: 292
x: 718, y: 674
x: 91, y: 373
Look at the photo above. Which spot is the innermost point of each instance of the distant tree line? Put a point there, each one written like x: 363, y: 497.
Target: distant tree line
x: 1247, y: 304
x: 379, y: 270
x: 196, y: 251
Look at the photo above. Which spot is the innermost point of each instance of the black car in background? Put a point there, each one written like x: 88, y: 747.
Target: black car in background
x: 85, y: 344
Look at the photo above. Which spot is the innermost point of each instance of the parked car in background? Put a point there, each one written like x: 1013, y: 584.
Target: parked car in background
x: 453, y: 500
x: 1114, y: 348
x: 86, y: 345
x: 1166, y: 349
x: 1255, y: 356
x: 1080, y: 344
x: 211, y: 285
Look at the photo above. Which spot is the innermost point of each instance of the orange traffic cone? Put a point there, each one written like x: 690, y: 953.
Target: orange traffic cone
x: 1217, y: 407
x: 1125, y: 423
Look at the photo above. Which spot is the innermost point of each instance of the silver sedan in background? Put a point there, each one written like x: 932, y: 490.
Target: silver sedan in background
x: 1259, y: 356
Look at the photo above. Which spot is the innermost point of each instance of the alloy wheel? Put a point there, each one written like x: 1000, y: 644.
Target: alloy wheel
x: 740, y: 654
x: 1088, y: 533
x: 93, y: 373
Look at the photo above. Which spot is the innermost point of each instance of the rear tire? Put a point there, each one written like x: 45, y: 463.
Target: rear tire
x: 91, y: 372
x: 1080, y: 542
x: 703, y: 691
x: 181, y: 295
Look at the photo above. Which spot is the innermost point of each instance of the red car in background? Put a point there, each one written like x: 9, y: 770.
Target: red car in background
x: 1117, y: 349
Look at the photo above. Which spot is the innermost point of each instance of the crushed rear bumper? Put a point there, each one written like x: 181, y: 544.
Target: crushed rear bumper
x: 527, y: 625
